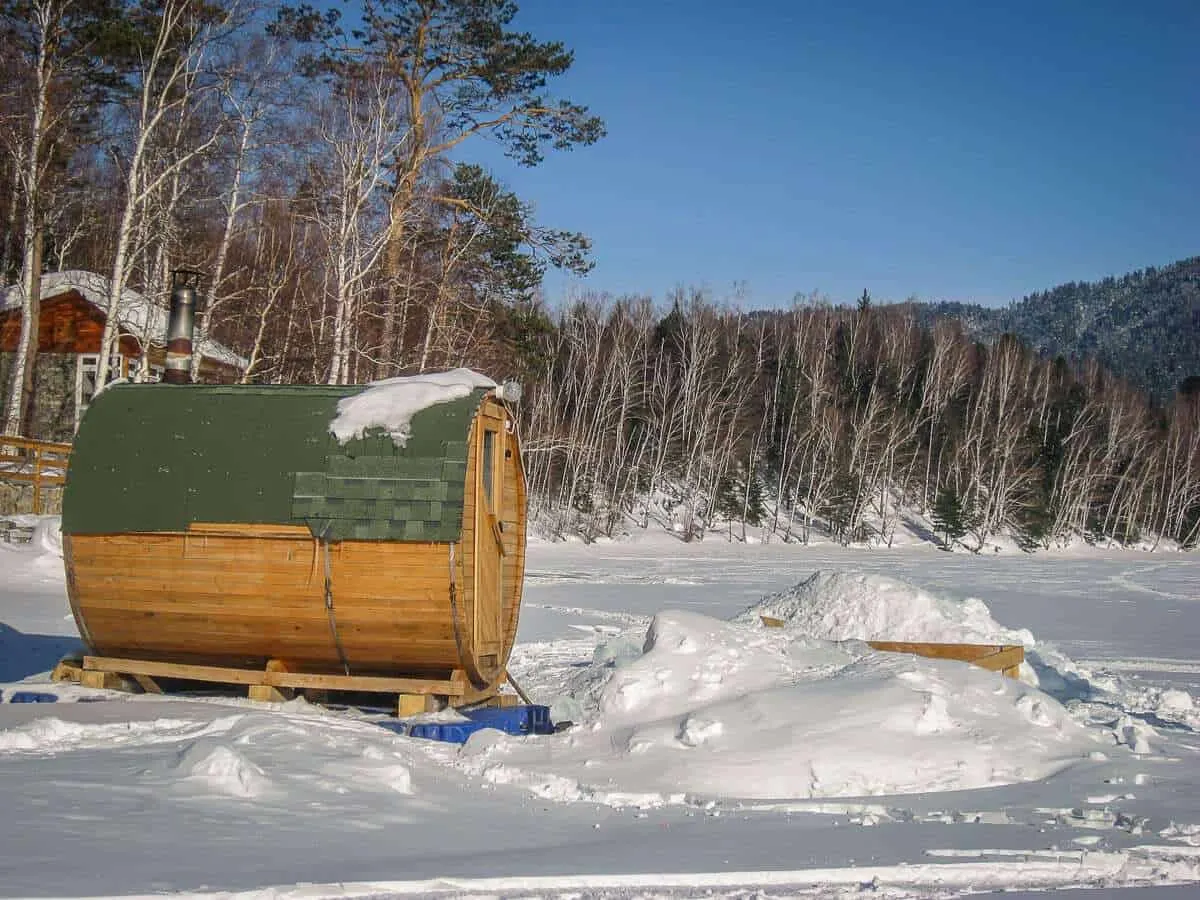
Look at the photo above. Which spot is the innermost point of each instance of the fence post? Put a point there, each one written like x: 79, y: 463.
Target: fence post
x: 37, y: 480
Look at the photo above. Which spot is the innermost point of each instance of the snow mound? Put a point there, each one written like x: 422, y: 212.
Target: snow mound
x: 221, y: 769
x: 52, y: 735
x: 840, y: 606
x: 726, y: 710
x: 699, y: 660
x: 391, y: 403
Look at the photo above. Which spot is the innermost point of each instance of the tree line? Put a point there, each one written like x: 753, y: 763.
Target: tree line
x: 847, y: 420
x: 318, y: 171
x: 315, y: 170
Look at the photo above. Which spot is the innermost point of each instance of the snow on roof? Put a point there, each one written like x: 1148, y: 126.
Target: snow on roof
x: 136, y: 314
x: 391, y: 403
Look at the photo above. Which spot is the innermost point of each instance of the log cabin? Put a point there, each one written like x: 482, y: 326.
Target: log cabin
x: 70, y: 325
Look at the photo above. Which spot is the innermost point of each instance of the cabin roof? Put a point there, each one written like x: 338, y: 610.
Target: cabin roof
x: 136, y: 314
x: 153, y: 458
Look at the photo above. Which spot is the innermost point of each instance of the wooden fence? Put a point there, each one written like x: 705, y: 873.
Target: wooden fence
x: 42, y: 464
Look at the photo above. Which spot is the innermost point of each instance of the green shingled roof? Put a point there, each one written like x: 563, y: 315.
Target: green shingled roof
x: 160, y: 457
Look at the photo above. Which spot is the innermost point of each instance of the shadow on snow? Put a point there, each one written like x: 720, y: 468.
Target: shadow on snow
x: 22, y: 655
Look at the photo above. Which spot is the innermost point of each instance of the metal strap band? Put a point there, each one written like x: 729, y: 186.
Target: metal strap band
x: 337, y: 640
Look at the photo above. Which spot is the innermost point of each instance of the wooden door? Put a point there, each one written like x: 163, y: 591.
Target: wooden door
x: 489, y: 546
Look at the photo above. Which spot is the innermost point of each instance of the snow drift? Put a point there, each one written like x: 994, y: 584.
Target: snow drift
x: 841, y: 606
x: 714, y: 709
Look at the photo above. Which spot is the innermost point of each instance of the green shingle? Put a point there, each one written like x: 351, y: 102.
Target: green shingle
x: 160, y: 457
x: 310, y: 484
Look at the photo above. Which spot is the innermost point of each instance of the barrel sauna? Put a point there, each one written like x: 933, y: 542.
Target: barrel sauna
x: 229, y: 526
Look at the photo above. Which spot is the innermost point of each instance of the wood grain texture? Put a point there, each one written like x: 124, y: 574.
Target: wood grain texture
x: 95, y: 666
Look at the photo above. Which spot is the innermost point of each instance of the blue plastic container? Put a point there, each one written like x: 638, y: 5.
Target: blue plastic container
x: 32, y: 697
x: 518, y: 720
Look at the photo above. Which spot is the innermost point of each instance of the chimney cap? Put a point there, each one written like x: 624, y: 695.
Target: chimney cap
x: 192, y: 278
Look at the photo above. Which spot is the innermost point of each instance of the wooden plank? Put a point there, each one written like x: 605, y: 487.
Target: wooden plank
x: 398, y: 619
x: 265, y: 693
x: 1006, y: 658
x: 933, y: 650
x: 366, y: 683
x: 230, y: 675
x: 109, y: 681
x: 502, y: 701
x: 415, y: 704
x: 147, y: 684
x: 1010, y: 658
x: 255, y: 578
x: 185, y: 671
x: 67, y: 670
x: 191, y: 633
x: 250, y: 529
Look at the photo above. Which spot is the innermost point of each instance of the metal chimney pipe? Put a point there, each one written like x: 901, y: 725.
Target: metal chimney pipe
x: 181, y: 325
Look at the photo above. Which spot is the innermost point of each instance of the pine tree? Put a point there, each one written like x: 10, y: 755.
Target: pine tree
x: 949, y: 515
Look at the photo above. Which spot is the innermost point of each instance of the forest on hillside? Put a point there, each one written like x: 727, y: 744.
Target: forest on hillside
x: 318, y: 173
x: 844, y: 419
x: 1143, y: 326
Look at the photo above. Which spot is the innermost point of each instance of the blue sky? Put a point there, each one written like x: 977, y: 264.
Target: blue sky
x: 974, y: 150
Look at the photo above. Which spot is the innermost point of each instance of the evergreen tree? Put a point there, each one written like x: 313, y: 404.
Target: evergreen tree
x: 950, y: 515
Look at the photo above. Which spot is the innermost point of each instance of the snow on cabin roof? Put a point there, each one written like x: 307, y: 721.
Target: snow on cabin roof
x: 136, y: 314
x: 391, y: 403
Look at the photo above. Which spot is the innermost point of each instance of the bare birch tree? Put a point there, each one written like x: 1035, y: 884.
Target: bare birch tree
x: 170, y: 81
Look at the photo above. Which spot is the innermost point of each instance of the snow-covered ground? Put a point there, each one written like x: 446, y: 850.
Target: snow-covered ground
x: 710, y: 755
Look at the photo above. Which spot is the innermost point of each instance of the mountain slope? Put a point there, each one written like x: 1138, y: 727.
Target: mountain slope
x: 1143, y: 327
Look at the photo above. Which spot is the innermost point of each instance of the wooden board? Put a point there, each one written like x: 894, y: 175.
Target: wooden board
x: 989, y: 656
x: 451, y: 687
x: 1004, y: 658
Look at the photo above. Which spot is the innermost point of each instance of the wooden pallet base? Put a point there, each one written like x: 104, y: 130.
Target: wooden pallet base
x: 276, y: 682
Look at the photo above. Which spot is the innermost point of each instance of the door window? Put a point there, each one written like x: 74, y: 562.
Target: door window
x: 489, y: 468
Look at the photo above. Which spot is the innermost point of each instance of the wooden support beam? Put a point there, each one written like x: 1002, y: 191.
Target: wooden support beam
x: 455, y: 686
x: 501, y: 701
x: 67, y: 670
x: 220, y: 674
x: 108, y: 681
x: 265, y: 693
x: 415, y: 704
x: 147, y: 684
x: 366, y: 683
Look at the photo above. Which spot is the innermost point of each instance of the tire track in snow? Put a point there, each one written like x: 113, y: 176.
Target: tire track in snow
x: 631, y: 619
x: 1143, y: 866
x: 1144, y: 664
x: 1126, y: 581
